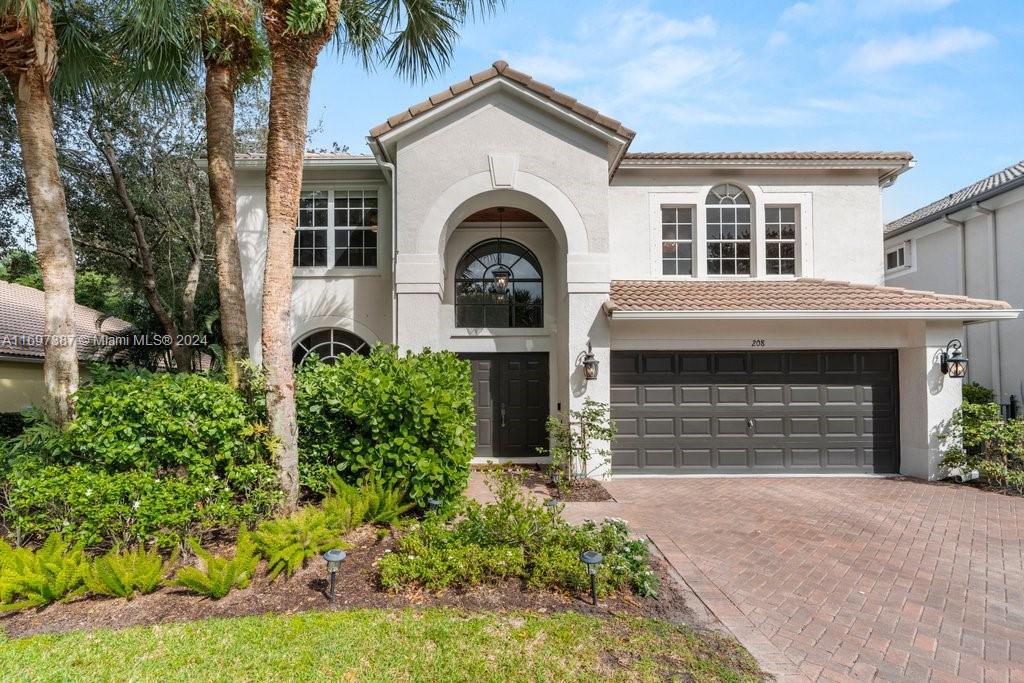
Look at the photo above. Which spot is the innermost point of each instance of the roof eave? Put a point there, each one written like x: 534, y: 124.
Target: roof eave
x: 887, y: 169
x: 959, y: 206
x: 310, y: 162
x: 964, y: 315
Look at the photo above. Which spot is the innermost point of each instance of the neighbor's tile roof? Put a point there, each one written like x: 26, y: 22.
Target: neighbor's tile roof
x: 502, y: 69
x: 1006, y: 179
x: 770, y: 156
x: 802, y: 294
x: 21, y: 324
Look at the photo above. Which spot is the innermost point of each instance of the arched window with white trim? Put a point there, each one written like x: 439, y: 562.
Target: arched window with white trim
x: 328, y: 345
x: 728, y: 230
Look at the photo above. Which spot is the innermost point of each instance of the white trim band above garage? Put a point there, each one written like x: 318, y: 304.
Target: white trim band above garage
x: 969, y: 315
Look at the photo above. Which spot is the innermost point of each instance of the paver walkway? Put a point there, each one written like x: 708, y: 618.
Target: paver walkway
x: 845, y: 578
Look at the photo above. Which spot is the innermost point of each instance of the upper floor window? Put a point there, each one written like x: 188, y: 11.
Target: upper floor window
x: 337, y: 228
x: 311, y: 234
x: 676, y: 241
x: 896, y: 259
x: 780, y: 240
x: 728, y: 231
x: 478, y: 303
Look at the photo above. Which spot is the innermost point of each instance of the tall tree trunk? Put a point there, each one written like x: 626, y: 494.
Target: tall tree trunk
x: 30, y: 82
x: 292, y: 59
x: 143, y: 261
x: 221, y: 84
x: 286, y: 141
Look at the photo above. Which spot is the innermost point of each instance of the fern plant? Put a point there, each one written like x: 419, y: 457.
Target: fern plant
x: 348, y: 506
x: 123, y: 574
x: 56, y: 571
x: 219, y: 575
x: 287, y: 542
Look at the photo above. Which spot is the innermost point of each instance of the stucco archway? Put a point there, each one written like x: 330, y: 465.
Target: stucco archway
x: 530, y: 193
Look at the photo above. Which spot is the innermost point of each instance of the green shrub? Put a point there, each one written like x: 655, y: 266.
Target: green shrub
x: 349, y: 506
x: 288, y: 542
x: 103, y: 509
x: 517, y: 537
x: 404, y: 421
x: 978, y: 394
x: 218, y: 576
x: 978, y: 438
x: 150, y: 458
x: 33, y: 578
x: 122, y: 574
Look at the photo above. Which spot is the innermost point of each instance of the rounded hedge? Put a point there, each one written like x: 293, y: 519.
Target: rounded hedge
x: 405, y: 421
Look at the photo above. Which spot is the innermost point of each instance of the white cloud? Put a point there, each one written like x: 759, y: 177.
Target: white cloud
x: 778, y: 39
x: 882, y: 55
x: 879, y: 7
x: 633, y: 51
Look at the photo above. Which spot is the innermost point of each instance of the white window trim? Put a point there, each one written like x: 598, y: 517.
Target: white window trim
x: 687, y: 200
x: 383, y: 238
x: 909, y: 259
x: 760, y: 200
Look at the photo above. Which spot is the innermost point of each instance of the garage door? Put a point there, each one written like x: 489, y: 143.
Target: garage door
x: 759, y: 412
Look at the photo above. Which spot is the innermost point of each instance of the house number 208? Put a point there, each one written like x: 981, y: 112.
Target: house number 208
x: 757, y: 343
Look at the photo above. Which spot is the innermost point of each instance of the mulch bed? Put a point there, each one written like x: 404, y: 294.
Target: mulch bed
x: 357, y: 587
x: 536, y: 478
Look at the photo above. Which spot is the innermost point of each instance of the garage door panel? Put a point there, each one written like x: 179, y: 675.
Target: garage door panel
x: 755, y: 412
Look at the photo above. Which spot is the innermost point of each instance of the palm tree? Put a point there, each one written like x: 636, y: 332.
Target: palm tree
x: 28, y: 60
x: 223, y: 36
x: 416, y: 38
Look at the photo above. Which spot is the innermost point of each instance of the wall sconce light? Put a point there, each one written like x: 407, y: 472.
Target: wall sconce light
x: 334, y: 558
x: 953, y: 362
x: 589, y: 362
x: 592, y: 558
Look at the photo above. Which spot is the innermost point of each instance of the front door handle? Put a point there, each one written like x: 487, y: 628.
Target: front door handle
x: 750, y: 424
x: 503, y: 416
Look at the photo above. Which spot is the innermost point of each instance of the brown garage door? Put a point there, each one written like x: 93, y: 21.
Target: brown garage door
x: 759, y: 412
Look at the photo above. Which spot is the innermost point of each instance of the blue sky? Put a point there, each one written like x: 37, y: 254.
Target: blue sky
x: 940, y: 78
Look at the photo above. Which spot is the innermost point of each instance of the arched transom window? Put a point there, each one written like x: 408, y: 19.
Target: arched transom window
x: 479, y: 303
x: 728, y: 231
x: 328, y: 345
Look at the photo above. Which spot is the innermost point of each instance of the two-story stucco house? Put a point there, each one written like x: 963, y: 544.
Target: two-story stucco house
x: 970, y: 243
x: 733, y: 301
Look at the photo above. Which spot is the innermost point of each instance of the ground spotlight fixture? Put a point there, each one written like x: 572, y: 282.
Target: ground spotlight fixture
x: 589, y: 362
x: 334, y: 558
x: 433, y: 504
x: 953, y: 362
x: 592, y: 558
x: 550, y: 504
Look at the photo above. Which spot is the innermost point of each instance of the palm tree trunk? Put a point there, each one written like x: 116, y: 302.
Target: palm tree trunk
x: 220, y: 153
x: 30, y: 83
x: 286, y: 141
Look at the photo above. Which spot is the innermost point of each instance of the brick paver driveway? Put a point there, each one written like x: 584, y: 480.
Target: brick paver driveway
x: 846, y: 577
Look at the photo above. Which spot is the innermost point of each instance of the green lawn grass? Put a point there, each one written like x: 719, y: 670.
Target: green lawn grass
x: 383, y: 645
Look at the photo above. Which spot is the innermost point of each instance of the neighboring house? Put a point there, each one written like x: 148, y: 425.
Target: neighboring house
x: 733, y: 300
x: 21, y: 343
x: 971, y: 243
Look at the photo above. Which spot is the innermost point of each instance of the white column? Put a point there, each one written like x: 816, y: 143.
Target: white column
x: 588, y: 322
x: 927, y: 399
x: 418, y: 307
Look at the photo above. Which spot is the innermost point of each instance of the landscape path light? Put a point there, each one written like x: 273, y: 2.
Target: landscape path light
x: 334, y: 558
x: 592, y: 558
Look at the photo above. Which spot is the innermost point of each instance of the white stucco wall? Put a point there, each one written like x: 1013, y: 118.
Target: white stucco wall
x: 840, y: 225
x: 359, y: 300
x: 991, y: 270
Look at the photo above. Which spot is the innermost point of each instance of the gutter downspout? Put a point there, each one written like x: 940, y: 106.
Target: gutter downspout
x: 963, y: 252
x: 389, y: 174
x: 993, y: 288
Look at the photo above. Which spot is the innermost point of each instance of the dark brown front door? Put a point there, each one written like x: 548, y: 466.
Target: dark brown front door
x: 511, y: 403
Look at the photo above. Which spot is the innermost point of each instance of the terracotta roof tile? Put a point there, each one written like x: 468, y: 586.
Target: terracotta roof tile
x: 802, y: 294
x: 502, y: 69
x: 21, y: 324
x: 997, y: 183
